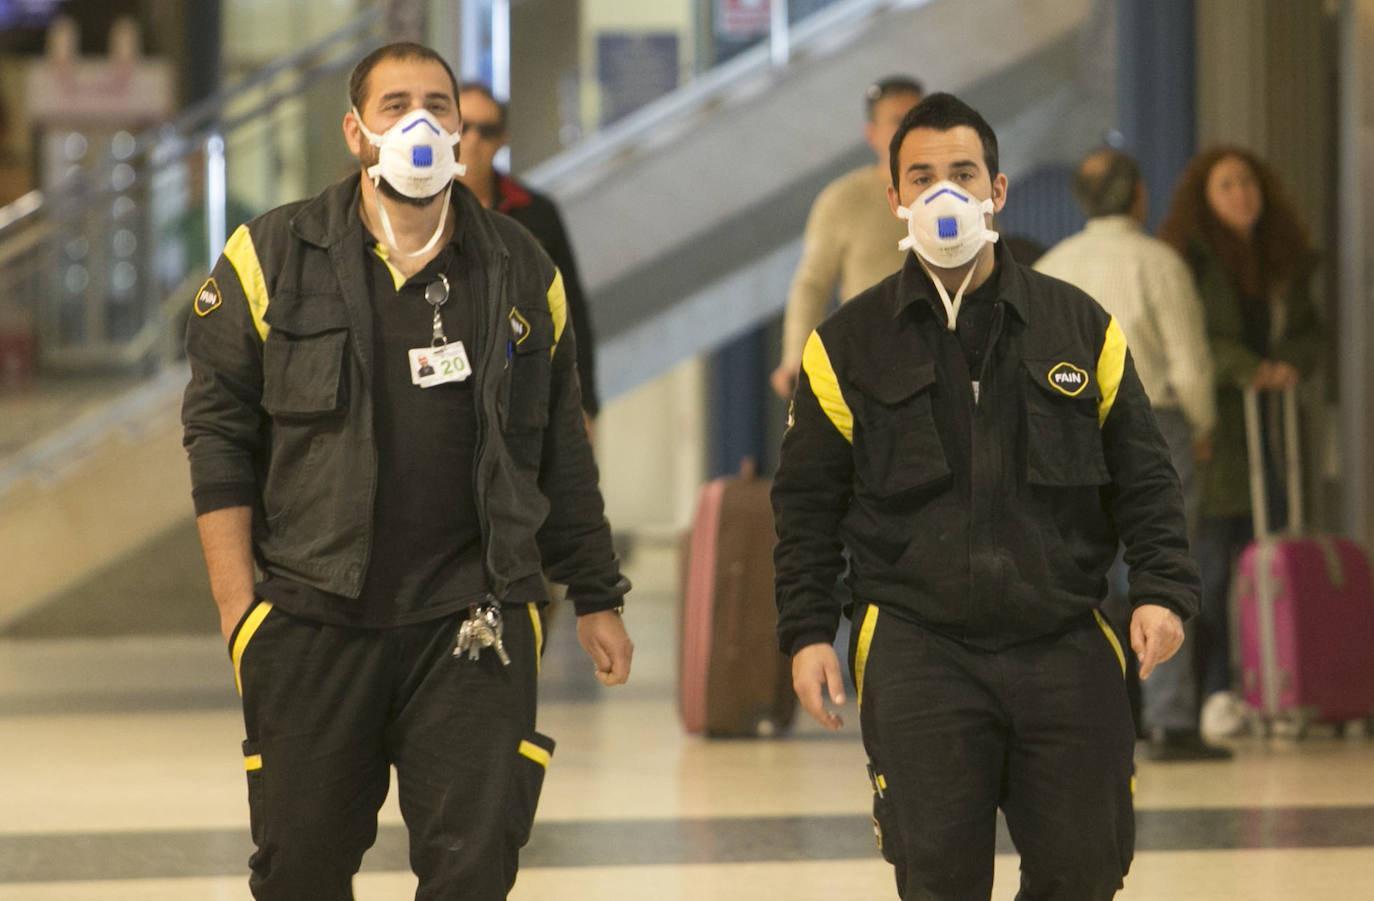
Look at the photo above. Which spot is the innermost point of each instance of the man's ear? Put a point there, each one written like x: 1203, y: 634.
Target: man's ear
x: 893, y: 201
x: 999, y: 192
x: 353, y: 135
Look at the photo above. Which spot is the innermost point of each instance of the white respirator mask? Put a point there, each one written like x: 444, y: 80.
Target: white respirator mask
x: 415, y: 156
x: 946, y: 227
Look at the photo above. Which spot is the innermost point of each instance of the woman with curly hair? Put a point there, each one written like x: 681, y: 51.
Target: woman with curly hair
x: 1253, y: 260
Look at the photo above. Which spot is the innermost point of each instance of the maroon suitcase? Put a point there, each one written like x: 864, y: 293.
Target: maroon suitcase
x: 1305, y: 607
x: 733, y: 681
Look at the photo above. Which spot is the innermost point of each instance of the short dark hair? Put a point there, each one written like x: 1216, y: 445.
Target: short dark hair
x: 484, y: 89
x: 1105, y: 183
x: 357, y: 82
x: 887, y: 87
x: 943, y: 112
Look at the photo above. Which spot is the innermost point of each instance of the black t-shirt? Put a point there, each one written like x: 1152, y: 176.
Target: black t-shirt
x: 977, y: 311
x: 426, y: 556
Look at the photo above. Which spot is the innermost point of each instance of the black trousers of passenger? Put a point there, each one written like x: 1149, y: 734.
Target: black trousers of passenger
x: 328, y: 710
x: 1042, y: 730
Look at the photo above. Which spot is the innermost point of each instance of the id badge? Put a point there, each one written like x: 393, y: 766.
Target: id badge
x: 430, y: 366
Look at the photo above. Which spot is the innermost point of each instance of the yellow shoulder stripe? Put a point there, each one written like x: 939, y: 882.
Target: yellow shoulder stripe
x: 558, y: 308
x: 1111, y: 365
x: 240, y: 252
x: 826, y: 386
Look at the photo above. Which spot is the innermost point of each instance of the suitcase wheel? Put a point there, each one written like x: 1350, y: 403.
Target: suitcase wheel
x: 764, y: 724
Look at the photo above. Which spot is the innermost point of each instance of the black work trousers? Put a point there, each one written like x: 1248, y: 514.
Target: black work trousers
x: 1042, y: 730
x: 329, y: 709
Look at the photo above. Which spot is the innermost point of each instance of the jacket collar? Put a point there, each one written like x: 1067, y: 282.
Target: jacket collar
x: 332, y: 216
x: 914, y: 287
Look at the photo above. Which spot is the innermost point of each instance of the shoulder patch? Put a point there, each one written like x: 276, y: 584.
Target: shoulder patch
x: 519, y: 326
x: 1067, y: 378
x: 208, y: 298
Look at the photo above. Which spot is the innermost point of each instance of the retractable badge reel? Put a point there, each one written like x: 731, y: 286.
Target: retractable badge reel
x: 443, y: 361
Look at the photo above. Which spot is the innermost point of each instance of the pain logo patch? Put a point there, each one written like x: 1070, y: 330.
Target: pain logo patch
x: 208, y: 298
x: 1068, y: 379
x: 519, y: 326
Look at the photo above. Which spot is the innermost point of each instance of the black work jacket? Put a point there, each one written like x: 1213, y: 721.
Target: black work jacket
x: 538, y: 213
x: 992, y: 522
x: 278, y: 414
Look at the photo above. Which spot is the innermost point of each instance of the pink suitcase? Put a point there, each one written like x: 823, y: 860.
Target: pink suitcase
x: 1305, y: 608
x: 733, y: 680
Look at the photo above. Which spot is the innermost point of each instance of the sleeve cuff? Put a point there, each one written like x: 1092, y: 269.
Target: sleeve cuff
x: 806, y: 639
x: 210, y: 498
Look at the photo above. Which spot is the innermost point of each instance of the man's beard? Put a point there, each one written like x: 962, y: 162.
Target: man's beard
x: 370, y: 156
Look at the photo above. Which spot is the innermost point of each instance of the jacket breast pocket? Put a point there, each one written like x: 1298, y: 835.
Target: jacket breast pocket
x: 303, y: 357
x: 529, y: 355
x: 896, y: 445
x: 1063, y: 440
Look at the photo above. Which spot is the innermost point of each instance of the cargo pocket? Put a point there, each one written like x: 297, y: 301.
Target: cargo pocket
x: 303, y: 356
x: 896, y: 446
x: 1063, y: 441
x: 530, y: 356
x: 252, y: 765
x: 535, y: 752
x: 885, y: 830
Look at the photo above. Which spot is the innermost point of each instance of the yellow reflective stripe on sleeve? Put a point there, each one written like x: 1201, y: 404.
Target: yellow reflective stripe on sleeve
x: 537, y: 754
x: 538, y: 637
x: 397, y: 277
x: 826, y: 386
x: 246, y: 632
x: 558, y: 309
x: 1108, y: 631
x: 252, y: 762
x: 240, y: 252
x: 1111, y: 365
x: 861, y: 652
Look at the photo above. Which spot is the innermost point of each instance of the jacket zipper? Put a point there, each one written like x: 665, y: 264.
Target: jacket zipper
x: 490, y: 311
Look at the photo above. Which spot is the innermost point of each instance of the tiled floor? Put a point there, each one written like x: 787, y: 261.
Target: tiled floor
x: 120, y: 778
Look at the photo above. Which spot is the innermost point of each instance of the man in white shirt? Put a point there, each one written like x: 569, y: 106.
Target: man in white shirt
x: 1150, y: 290
x: 851, y: 235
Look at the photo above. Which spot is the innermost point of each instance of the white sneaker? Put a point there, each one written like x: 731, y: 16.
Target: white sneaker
x: 1223, y: 715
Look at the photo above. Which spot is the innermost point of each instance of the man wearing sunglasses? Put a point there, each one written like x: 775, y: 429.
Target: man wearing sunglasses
x: 484, y: 133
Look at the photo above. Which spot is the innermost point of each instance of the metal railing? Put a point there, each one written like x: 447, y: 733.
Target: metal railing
x: 97, y: 268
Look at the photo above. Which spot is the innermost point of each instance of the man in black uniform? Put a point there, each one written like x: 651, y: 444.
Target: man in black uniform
x: 400, y: 522
x: 978, y: 455
x: 484, y: 133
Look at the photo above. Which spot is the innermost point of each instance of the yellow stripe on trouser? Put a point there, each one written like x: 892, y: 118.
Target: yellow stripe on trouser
x: 244, y: 256
x: 1111, y: 636
x: 537, y: 754
x: 558, y: 309
x: 861, y: 652
x: 1111, y: 365
x: 826, y: 386
x: 246, y: 631
x: 252, y: 762
x: 538, y: 637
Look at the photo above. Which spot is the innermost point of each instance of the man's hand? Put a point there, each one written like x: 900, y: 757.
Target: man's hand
x: 1282, y: 375
x: 1156, y: 634
x: 1202, y: 449
x: 784, y: 380
x: 603, y: 636
x: 230, y: 612
x: 815, y: 668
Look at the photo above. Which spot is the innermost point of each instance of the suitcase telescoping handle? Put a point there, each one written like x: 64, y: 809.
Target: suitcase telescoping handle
x: 1254, y: 443
x: 1265, y: 587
